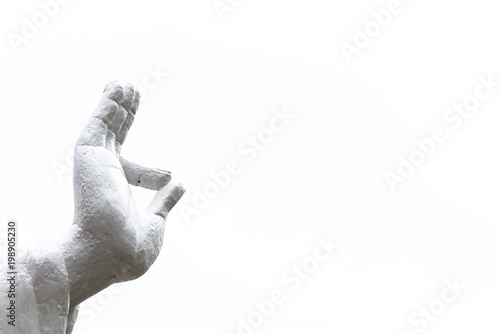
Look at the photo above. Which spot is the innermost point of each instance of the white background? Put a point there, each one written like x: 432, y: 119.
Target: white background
x: 322, y: 176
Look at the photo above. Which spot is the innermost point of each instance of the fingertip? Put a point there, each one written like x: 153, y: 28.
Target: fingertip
x: 174, y: 195
x: 164, y: 178
x: 177, y: 191
x: 181, y: 188
x: 136, y: 102
x: 114, y: 91
x: 128, y: 96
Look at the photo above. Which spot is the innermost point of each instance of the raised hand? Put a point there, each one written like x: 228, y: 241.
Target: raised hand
x: 111, y: 240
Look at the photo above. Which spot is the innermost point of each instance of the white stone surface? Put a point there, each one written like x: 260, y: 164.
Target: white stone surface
x: 110, y: 240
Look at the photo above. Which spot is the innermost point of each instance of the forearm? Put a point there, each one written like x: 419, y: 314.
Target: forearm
x: 40, y: 291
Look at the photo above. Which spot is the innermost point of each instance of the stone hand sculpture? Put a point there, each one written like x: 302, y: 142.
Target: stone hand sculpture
x: 110, y: 240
